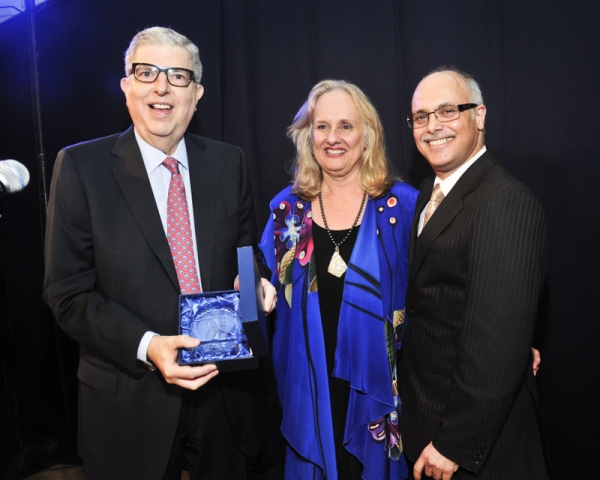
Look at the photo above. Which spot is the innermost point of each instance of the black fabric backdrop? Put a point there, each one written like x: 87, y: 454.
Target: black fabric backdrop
x: 536, y: 62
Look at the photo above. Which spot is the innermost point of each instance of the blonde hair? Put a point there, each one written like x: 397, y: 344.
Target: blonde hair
x: 374, y: 175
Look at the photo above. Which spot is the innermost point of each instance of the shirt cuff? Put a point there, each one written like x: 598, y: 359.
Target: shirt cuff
x: 142, y: 352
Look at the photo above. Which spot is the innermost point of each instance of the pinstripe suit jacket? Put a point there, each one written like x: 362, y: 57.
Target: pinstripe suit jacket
x: 475, y: 275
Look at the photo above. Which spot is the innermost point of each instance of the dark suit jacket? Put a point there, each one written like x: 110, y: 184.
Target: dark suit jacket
x: 475, y: 275
x: 110, y: 278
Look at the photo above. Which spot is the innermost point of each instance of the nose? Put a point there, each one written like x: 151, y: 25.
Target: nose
x: 162, y: 83
x: 333, y: 136
x: 433, y: 124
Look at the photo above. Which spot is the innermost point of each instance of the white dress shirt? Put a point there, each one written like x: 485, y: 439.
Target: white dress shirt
x: 449, y: 182
x: 160, y: 178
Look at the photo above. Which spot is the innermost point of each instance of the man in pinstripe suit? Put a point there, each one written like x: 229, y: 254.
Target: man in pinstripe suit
x: 476, y: 271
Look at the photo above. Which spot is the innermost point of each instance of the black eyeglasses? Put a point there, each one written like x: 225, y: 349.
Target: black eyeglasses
x: 447, y: 113
x: 147, y: 73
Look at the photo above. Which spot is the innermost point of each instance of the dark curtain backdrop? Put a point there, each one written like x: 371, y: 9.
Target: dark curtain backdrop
x: 536, y: 62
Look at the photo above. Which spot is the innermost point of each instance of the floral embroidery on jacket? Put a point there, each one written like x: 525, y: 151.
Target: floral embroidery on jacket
x: 293, y: 239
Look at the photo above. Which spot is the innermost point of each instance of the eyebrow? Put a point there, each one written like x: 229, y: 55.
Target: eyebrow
x: 343, y: 120
x: 441, y: 105
x: 164, y: 68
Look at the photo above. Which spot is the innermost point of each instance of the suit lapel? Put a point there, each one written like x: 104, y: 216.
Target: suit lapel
x: 445, y: 213
x: 203, y: 181
x: 130, y: 173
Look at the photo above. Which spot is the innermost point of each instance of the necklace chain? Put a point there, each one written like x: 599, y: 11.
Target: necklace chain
x: 337, y: 245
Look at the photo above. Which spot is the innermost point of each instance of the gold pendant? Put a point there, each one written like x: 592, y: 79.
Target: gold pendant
x: 337, y: 266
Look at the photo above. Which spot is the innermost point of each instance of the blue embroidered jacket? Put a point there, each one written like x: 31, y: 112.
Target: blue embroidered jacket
x: 370, y: 330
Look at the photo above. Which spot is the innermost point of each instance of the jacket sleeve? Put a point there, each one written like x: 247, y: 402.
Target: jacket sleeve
x: 71, y: 283
x: 505, y: 273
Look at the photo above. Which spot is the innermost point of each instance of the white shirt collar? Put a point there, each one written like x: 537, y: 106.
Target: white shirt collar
x: 449, y: 182
x: 153, y: 157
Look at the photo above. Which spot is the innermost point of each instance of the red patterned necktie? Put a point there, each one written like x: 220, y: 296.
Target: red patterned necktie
x: 179, y: 232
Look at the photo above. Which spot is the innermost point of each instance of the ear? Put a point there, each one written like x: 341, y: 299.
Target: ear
x: 125, y: 85
x: 480, y: 112
x: 199, y: 92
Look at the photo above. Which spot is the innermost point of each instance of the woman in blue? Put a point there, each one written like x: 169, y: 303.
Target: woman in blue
x: 337, y: 244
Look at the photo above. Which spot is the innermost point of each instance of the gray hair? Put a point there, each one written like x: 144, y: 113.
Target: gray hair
x: 164, y: 36
x: 475, y: 95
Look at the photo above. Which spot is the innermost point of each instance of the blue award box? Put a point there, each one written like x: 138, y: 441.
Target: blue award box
x: 231, y: 325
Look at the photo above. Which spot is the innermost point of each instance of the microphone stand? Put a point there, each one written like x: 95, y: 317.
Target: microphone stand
x: 61, y: 448
x: 37, y: 112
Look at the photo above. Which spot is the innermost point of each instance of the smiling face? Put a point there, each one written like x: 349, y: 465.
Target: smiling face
x: 447, y: 145
x: 161, y: 112
x: 338, y: 135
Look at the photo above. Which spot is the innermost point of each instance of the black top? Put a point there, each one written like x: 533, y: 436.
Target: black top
x: 330, y: 301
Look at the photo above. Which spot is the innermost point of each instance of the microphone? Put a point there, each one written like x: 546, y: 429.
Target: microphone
x: 14, y: 176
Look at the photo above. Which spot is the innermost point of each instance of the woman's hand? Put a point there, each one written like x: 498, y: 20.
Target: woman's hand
x: 269, y: 293
x: 537, y: 359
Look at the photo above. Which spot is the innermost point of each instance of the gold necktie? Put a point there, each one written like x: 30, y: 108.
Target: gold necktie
x: 436, y: 198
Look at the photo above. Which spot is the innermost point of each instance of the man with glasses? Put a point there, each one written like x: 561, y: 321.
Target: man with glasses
x: 476, y: 269
x: 135, y: 219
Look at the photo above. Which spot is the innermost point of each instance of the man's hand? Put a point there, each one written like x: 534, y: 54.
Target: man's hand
x: 162, y: 352
x: 434, y: 464
x: 269, y: 293
x: 537, y: 359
